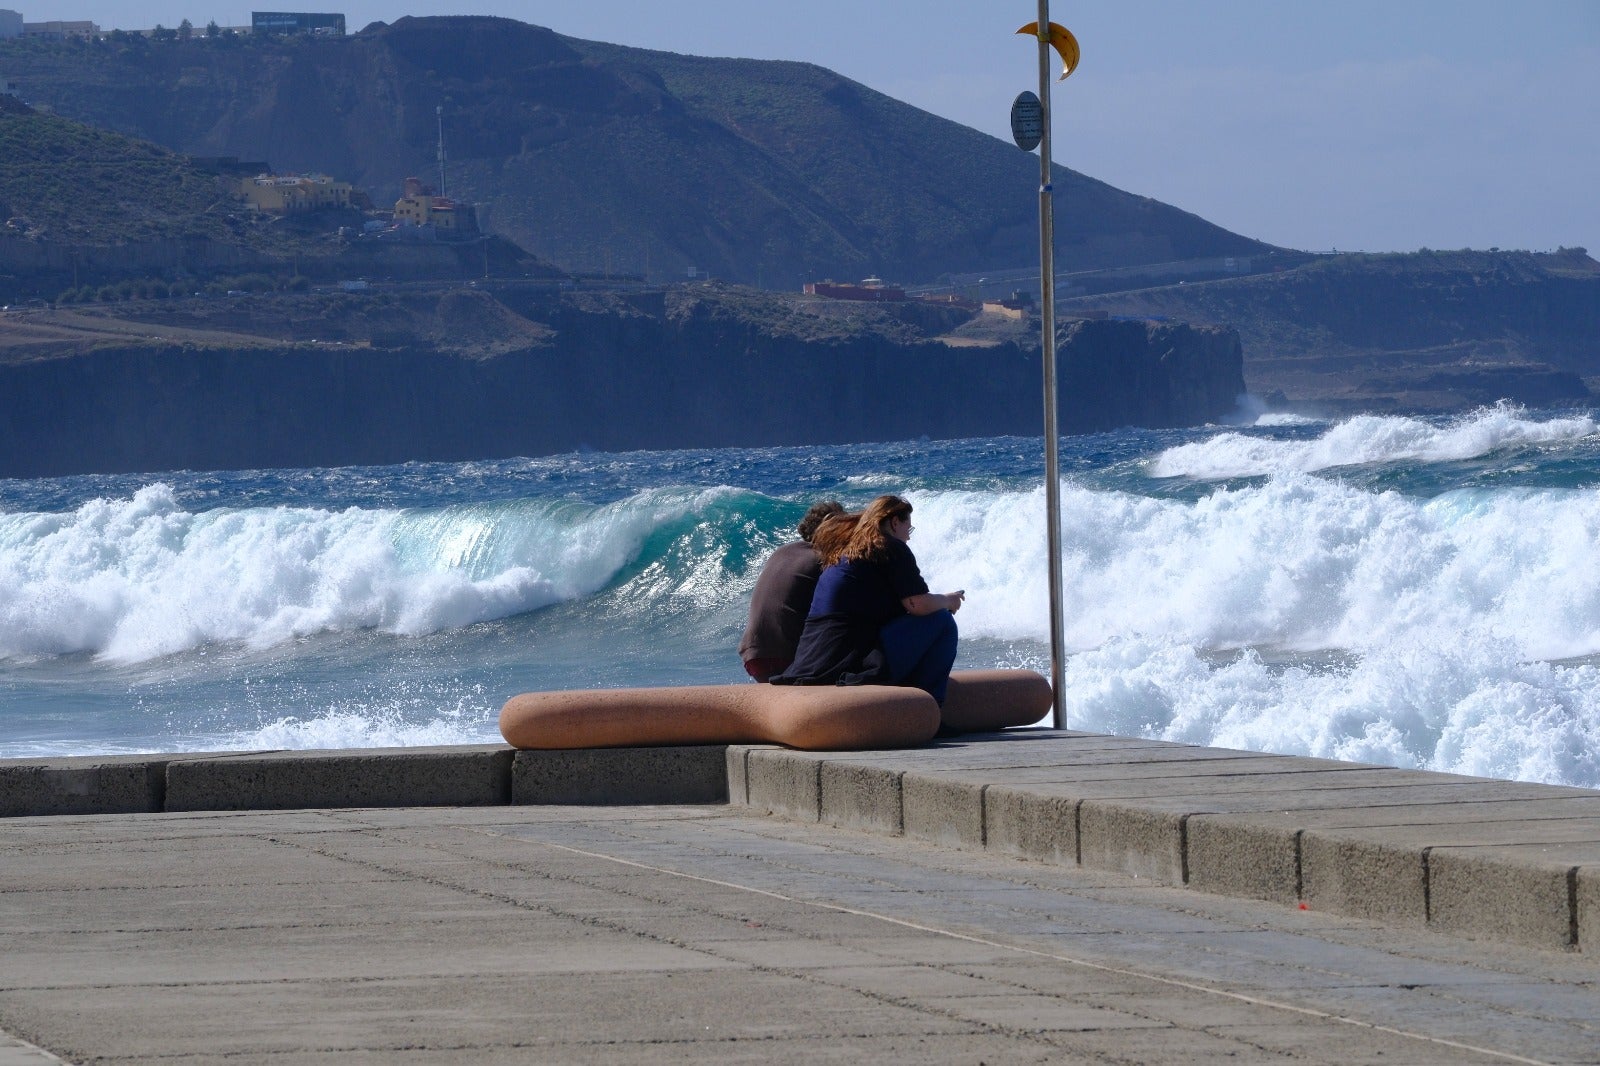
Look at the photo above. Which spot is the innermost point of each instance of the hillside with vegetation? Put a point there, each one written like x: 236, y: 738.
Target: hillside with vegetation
x: 83, y: 208
x: 89, y: 214
x: 65, y: 181
x: 610, y: 159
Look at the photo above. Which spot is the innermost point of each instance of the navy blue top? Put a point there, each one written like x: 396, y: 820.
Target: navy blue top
x: 870, y: 590
x: 854, y: 599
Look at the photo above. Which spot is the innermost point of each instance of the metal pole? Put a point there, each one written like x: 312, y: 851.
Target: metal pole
x: 1047, y: 315
x: 439, y: 113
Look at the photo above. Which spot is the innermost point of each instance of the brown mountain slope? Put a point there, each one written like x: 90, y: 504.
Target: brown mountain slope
x: 600, y: 157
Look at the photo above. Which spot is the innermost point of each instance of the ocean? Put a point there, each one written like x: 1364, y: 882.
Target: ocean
x: 1417, y: 592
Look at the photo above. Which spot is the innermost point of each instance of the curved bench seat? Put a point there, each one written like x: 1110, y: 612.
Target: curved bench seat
x: 821, y: 718
x: 982, y: 701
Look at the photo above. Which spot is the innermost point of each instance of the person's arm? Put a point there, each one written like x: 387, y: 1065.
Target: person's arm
x: 928, y: 602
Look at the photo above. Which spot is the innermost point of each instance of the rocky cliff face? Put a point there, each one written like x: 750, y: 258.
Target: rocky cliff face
x: 1426, y: 331
x: 631, y: 375
x: 1156, y: 374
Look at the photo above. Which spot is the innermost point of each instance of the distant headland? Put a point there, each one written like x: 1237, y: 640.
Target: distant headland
x: 592, y: 245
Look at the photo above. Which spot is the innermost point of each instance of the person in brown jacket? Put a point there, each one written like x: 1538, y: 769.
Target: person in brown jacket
x: 782, y: 598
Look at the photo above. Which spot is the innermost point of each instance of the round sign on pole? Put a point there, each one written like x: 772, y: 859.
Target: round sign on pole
x: 1027, y: 121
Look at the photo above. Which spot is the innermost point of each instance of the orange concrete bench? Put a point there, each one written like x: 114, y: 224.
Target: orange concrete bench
x: 819, y: 718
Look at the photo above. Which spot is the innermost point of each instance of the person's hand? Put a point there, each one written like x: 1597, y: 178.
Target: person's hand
x: 953, y: 600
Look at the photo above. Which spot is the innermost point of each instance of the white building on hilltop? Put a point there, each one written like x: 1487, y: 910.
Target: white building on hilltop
x: 10, y: 24
x: 57, y: 30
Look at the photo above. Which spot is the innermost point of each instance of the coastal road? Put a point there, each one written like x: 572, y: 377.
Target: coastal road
x: 670, y: 934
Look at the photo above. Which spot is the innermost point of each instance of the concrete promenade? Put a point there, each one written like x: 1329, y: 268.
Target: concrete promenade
x: 1026, y: 897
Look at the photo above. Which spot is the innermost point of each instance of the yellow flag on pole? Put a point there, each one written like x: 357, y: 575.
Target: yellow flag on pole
x: 1062, y: 40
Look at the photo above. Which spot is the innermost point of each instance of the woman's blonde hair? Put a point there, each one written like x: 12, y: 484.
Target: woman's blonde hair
x: 833, y: 536
x: 870, y: 539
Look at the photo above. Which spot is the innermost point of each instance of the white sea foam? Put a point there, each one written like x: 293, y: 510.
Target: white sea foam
x: 1473, y: 707
x: 364, y: 729
x: 1285, y: 418
x: 1373, y: 626
x: 1297, y: 614
x: 134, y: 579
x: 1298, y: 563
x: 1368, y: 439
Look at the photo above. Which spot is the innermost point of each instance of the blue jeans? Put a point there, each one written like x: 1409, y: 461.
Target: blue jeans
x: 920, y: 649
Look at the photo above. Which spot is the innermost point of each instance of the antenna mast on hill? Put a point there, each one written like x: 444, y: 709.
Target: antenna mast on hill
x: 439, y: 113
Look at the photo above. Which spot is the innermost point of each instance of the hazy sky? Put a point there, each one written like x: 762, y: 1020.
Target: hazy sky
x: 1316, y: 124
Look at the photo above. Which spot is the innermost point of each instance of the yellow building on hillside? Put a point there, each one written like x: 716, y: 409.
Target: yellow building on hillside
x: 293, y: 194
x: 421, y: 207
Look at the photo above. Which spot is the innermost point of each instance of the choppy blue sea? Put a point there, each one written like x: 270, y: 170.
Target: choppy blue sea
x: 1422, y: 593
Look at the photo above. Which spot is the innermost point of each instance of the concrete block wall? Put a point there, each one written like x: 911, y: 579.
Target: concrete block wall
x: 456, y: 776
x: 1504, y: 861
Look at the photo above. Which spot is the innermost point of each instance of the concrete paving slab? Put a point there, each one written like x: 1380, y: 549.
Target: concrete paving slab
x: 1191, y: 958
x: 273, y: 906
x: 106, y: 829
x: 809, y: 953
x: 394, y: 950
x: 1315, y: 789
x: 534, y: 1013
x: 1204, y: 1049
x: 1042, y: 1014
x: 1108, y: 767
x: 488, y: 817
x: 1539, y: 832
x: 1314, y: 961
x: 16, y: 1052
x: 1466, y: 810
x: 111, y: 868
x: 847, y: 1048
x: 923, y: 982
x: 1511, y: 1033
x: 1312, y: 1039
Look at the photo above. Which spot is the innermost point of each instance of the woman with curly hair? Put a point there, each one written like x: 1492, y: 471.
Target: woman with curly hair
x: 872, y: 619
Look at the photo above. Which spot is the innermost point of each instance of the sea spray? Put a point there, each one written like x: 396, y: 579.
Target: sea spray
x: 1473, y: 708
x: 1297, y: 563
x: 1367, y: 439
x: 1415, y: 592
x: 137, y: 579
